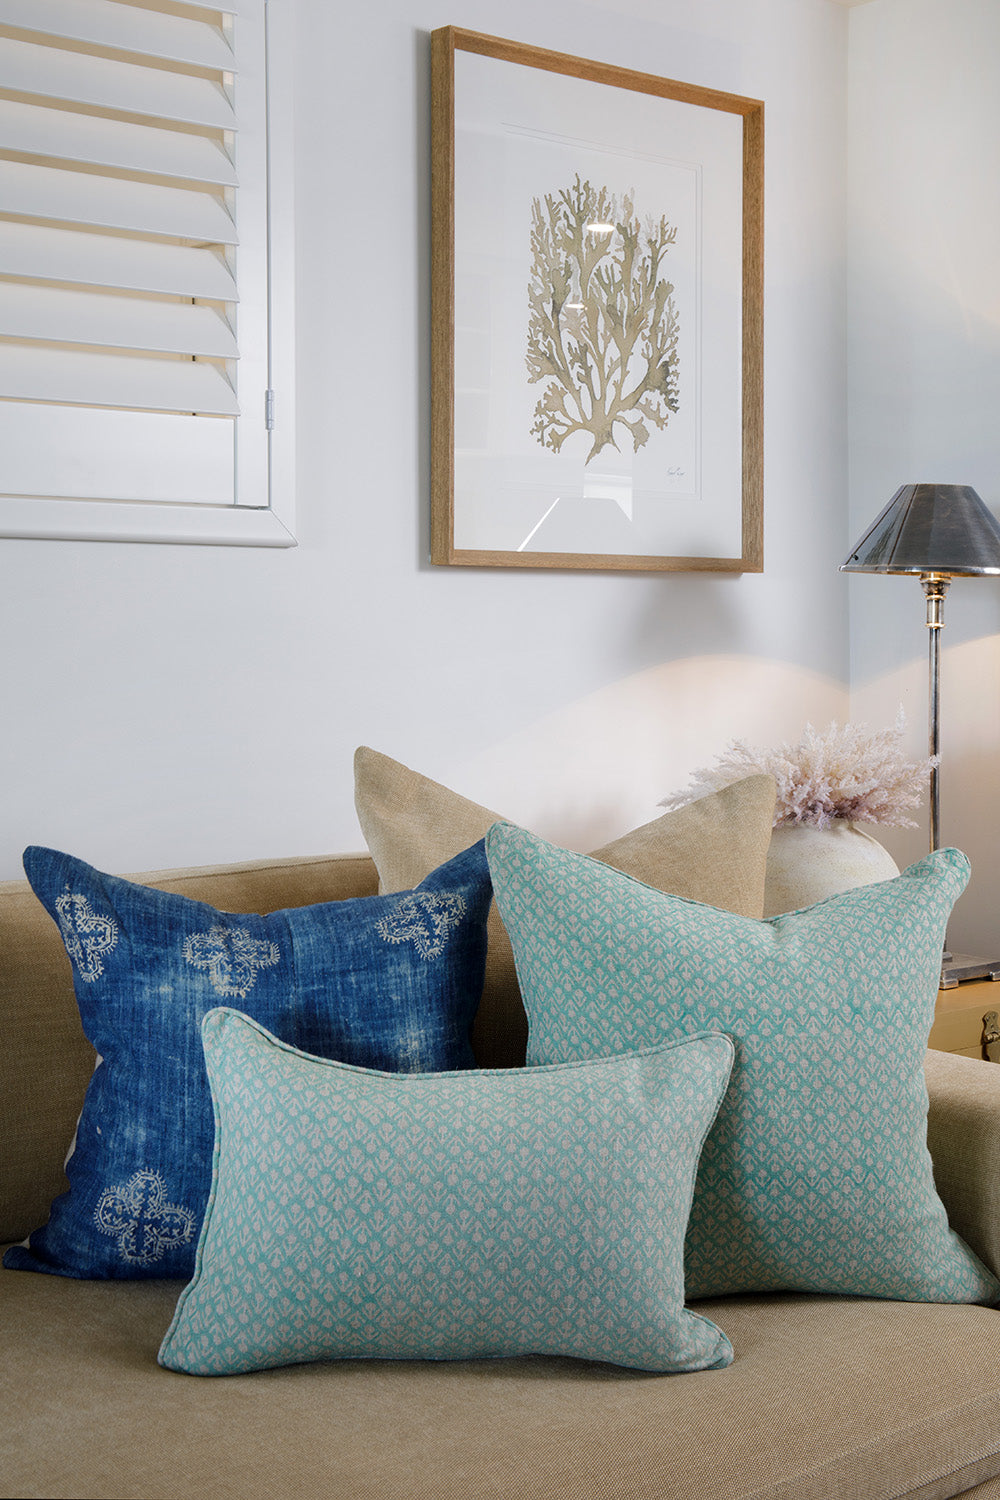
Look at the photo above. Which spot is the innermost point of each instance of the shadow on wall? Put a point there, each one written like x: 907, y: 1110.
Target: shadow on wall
x: 970, y: 774
x: 597, y: 767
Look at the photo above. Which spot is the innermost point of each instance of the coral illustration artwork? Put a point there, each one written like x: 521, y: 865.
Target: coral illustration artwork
x: 603, y: 325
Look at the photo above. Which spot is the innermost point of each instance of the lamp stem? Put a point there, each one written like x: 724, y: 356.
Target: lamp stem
x: 935, y: 588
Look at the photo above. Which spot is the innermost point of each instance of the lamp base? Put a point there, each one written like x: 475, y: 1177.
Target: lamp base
x: 956, y: 968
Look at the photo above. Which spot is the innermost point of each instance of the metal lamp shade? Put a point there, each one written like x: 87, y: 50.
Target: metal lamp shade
x: 930, y: 528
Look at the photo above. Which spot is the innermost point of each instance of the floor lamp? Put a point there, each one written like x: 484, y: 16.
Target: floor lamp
x: 935, y: 532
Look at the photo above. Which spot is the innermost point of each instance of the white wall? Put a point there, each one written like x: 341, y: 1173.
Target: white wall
x: 924, y: 382
x: 164, y: 705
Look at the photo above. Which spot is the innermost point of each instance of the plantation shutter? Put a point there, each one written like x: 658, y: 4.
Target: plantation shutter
x: 133, y: 270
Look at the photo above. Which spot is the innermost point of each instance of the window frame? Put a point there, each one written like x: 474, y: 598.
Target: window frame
x: 61, y: 518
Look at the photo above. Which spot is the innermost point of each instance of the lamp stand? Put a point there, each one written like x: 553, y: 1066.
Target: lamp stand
x: 935, y: 588
x: 956, y: 968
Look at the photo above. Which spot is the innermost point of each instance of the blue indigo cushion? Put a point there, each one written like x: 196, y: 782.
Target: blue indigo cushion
x: 384, y: 981
x: 357, y: 1214
x: 816, y: 1176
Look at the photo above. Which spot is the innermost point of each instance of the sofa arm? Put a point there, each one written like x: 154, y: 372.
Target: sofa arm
x: 963, y: 1135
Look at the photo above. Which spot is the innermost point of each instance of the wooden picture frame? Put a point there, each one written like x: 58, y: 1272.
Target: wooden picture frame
x: 597, y: 315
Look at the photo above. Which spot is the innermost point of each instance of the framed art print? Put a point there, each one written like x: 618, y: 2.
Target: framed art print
x: 596, y: 394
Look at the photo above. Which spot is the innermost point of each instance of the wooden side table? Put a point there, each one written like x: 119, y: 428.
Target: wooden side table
x: 958, y: 1016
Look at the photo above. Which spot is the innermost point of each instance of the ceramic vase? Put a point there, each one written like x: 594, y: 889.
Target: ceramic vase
x: 806, y: 864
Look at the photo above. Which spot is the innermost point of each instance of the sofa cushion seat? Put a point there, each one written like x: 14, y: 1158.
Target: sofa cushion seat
x: 826, y: 1396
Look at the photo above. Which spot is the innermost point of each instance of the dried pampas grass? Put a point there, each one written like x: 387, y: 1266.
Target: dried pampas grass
x: 850, y: 773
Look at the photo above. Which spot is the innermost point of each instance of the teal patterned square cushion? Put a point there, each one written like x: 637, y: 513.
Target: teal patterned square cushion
x: 816, y: 1176
x: 360, y: 1214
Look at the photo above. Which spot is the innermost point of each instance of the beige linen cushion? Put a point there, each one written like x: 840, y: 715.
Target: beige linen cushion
x: 714, y: 850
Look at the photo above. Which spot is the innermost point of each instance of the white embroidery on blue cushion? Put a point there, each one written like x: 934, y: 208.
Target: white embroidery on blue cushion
x: 145, y: 1225
x: 231, y: 956
x: 424, y: 918
x: 85, y: 933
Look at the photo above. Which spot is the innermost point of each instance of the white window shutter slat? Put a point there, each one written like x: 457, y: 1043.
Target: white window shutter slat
x: 36, y: 131
x: 134, y: 287
x: 227, y: 7
x: 104, y: 23
x: 96, y: 379
x: 105, y: 83
x: 48, y: 193
x: 72, y: 255
x: 58, y: 315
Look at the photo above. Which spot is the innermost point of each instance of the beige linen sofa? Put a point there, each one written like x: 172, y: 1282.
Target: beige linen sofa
x: 827, y: 1398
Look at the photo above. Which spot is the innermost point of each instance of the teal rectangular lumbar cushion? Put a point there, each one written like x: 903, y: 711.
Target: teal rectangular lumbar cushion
x: 816, y: 1176
x: 356, y: 1213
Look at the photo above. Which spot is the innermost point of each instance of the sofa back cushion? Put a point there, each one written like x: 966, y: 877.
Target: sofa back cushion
x: 713, y: 850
